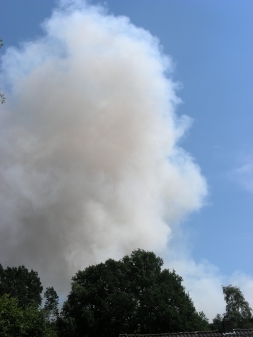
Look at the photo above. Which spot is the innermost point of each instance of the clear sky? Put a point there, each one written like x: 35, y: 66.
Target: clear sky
x: 211, y: 45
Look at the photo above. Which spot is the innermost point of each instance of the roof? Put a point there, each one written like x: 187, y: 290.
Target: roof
x: 216, y: 333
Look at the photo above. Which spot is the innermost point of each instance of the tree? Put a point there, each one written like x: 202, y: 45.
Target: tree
x: 18, y: 322
x: 51, y: 311
x: 20, y: 300
x: 51, y: 304
x: 237, y: 310
x: 2, y: 98
x: 21, y: 284
x: 11, y: 317
x: 132, y: 295
x: 217, y: 323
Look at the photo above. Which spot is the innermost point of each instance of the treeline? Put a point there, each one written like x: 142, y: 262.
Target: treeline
x: 21, y: 313
x: 133, y: 295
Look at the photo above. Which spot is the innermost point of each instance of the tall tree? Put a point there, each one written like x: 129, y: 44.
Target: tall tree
x: 51, y: 304
x: 21, y: 284
x: 132, y: 295
x: 237, y: 310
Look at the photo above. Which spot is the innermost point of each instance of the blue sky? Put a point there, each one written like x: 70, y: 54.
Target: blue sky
x: 211, y: 45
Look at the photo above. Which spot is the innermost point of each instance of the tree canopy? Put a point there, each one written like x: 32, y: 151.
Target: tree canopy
x: 237, y: 310
x: 133, y: 295
x: 18, y: 322
x: 22, y: 284
x: 51, y: 304
x: 21, y: 313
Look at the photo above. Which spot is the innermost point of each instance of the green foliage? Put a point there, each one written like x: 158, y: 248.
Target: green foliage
x: 11, y: 317
x: 18, y: 322
x: 20, y: 299
x: 21, y: 284
x: 129, y: 296
x: 51, y: 311
x: 217, y: 323
x: 51, y: 304
x: 133, y: 295
x: 237, y: 310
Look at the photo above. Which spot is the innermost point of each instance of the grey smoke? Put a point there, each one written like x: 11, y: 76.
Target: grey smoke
x: 90, y: 166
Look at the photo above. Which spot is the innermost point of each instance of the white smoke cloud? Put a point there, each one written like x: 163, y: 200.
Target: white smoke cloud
x: 90, y: 166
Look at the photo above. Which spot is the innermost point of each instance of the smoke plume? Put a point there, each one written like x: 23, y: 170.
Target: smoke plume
x: 89, y: 156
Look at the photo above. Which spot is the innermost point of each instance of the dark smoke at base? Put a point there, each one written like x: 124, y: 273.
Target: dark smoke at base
x: 90, y: 167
